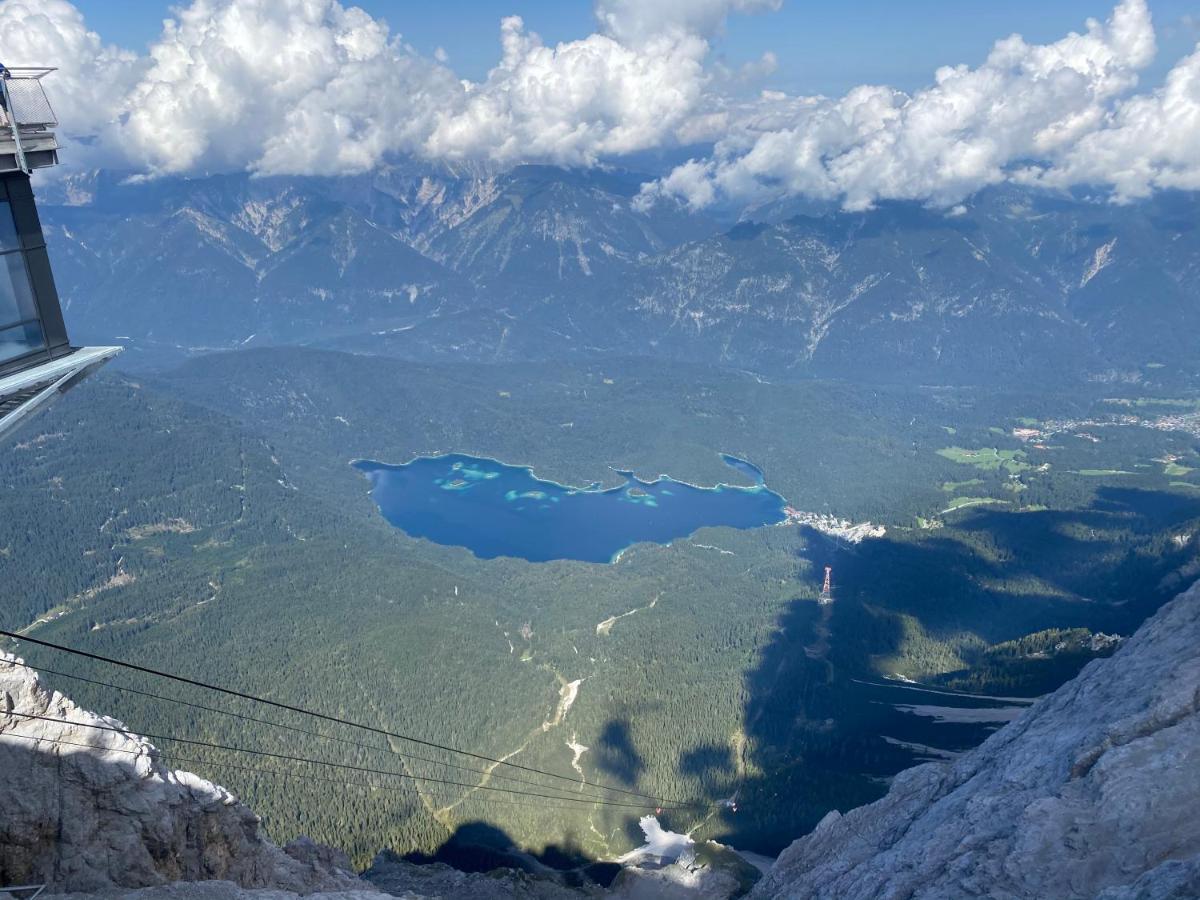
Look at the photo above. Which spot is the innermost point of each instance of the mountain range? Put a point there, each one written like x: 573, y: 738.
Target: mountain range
x: 1003, y: 394
x: 536, y: 263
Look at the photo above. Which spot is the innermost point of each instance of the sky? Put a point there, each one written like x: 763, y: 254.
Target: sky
x: 853, y: 102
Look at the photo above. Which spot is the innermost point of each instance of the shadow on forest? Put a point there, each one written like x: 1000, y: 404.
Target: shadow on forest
x: 707, y: 761
x: 482, y: 847
x: 615, y: 754
x: 817, y: 711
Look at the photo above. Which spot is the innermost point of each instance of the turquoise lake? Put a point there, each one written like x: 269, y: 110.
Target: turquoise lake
x: 494, y: 509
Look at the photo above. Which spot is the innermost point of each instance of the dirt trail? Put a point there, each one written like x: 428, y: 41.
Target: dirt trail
x: 568, y: 691
x: 603, y: 629
x: 397, y: 748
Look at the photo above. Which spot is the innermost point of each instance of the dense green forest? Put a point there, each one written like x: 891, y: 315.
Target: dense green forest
x: 207, y: 522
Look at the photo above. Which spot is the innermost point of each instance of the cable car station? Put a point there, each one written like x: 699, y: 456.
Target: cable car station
x: 38, y: 363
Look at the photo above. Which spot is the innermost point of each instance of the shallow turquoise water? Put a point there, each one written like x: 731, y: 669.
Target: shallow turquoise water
x: 494, y: 509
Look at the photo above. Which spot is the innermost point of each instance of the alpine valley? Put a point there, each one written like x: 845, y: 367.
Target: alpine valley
x: 984, y: 420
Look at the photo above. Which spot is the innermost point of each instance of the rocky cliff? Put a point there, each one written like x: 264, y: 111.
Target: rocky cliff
x: 83, y: 808
x: 1093, y: 792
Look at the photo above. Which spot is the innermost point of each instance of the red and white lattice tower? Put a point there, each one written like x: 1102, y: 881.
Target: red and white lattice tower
x: 827, y: 587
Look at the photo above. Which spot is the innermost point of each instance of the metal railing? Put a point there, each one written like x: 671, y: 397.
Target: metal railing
x: 26, y: 103
x: 24, y: 107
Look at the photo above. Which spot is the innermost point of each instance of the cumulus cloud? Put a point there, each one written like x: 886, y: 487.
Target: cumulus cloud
x: 577, y: 102
x: 1064, y: 107
x: 1150, y: 142
x: 315, y: 86
x: 91, y: 74
x: 639, y: 83
x: 281, y: 86
x: 310, y: 86
x: 296, y: 86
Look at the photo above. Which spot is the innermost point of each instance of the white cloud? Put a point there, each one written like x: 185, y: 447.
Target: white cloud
x: 303, y: 86
x: 1150, y: 142
x: 576, y: 102
x: 313, y: 86
x: 93, y: 78
x: 971, y: 128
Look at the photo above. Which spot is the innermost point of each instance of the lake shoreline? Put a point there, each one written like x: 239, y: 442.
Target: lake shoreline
x: 493, y: 508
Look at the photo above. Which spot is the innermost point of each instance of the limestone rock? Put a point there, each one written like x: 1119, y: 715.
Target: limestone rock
x: 87, y: 809
x: 394, y: 875
x: 1093, y: 791
x: 216, y: 890
x: 676, y: 881
x: 706, y: 870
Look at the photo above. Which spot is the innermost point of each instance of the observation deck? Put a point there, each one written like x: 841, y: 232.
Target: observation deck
x: 38, y: 362
x: 27, y: 123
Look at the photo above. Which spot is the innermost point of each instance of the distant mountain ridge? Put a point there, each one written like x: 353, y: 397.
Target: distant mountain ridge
x: 537, y: 262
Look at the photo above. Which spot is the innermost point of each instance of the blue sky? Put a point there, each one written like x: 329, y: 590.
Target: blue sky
x: 822, y: 47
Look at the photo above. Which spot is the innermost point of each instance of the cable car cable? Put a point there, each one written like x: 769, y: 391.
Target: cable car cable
x: 348, y: 766
x: 331, y: 737
x: 162, y: 754
x: 350, y: 722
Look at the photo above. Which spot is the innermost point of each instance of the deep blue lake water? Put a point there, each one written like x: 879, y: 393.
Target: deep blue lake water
x: 497, y: 510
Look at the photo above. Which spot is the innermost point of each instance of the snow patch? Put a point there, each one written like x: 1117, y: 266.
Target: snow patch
x: 660, y: 843
x: 1100, y: 260
x: 578, y: 750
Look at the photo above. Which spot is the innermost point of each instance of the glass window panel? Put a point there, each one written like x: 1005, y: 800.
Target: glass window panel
x: 20, y: 340
x: 8, y: 228
x: 16, y: 294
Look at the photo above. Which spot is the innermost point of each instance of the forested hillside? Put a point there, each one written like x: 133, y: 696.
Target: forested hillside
x: 207, y: 522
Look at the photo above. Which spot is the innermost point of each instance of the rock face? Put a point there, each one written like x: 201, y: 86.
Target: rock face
x: 85, y: 809
x: 393, y: 875
x: 1093, y: 792
x: 708, y: 871
x: 214, y: 890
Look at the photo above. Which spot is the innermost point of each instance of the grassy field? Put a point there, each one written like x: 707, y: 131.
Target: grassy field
x: 960, y: 502
x: 951, y: 487
x: 988, y: 459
